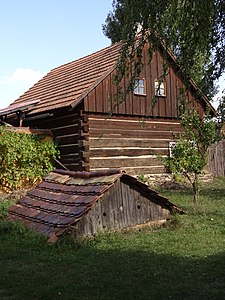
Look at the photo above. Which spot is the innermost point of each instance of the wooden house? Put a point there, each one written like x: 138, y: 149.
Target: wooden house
x: 74, y: 101
x: 89, y: 203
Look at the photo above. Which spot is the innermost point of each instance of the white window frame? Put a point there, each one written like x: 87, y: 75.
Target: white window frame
x: 140, y: 87
x: 160, y: 89
x: 172, y: 145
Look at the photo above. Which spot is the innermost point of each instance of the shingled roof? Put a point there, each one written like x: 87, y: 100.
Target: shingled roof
x: 64, y: 197
x: 68, y: 84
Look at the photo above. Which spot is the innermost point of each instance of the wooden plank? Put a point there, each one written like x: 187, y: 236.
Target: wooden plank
x: 132, y: 133
x: 99, y: 152
x: 179, y: 95
x: 130, y: 118
x: 139, y: 170
x: 162, y: 101
x: 62, y: 131
x: 139, y: 125
x: 129, y: 100
x: 99, y: 98
x: 64, y: 140
x: 154, y: 76
x: 119, y: 162
x: 121, y: 109
x: 73, y: 166
x: 128, y: 142
x: 168, y: 94
x: 91, y: 101
x: 68, y: 149
x: 106, y: 94
x: 128, y: 205
x: 70, y: 159
x: 150, y: 90
x: 173, y: 93
x: 60, y: 121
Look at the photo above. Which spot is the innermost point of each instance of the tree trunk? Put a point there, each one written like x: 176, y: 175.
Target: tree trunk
x: 195, y: 190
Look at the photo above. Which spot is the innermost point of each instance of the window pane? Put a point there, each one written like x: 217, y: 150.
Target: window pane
x: 136, y: 90
x: 141, y: 90
x: 141, y: 82
x: 135, y: 84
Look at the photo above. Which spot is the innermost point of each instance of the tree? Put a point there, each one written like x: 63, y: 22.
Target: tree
x: 221, y: 109
x: 189, y: 156
x: 193, y: 30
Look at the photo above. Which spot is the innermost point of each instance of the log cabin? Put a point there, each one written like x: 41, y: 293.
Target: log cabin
x: 74, y: 101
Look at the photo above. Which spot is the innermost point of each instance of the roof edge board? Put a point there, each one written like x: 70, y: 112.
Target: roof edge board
x: 13, y: 108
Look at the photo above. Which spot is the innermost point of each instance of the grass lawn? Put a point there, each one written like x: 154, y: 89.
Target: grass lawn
x: 184, y: 259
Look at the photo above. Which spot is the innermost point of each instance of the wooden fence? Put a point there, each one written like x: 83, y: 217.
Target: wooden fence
x: 216, y: 163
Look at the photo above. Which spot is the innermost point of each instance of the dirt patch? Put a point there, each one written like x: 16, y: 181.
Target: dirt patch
x: 173, y: 185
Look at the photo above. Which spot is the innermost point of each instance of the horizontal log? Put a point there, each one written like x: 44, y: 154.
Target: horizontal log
x: 73, y: 166
x: 63, y: 127
x: 68, y: 149
x: 60, y: 121
x: 134, y: 125
x: 62, y: 131
x: 123, y: 162
x: 97, y: 117
x: 70, y: 161
x: 69, y: 155
x: 101, y: 133
x: 128, y: 142
x: 65, y: 140
x: 99, y: 152
x: 140, y: 170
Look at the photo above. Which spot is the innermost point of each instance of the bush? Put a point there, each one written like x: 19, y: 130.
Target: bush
x: 24, y: 158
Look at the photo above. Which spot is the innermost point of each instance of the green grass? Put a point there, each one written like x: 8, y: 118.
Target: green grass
x: 183, y: 260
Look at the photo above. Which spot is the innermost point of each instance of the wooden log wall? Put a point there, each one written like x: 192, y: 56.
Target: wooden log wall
x: 134, y: 144
x: 69, y: 131
x: 120, y: 207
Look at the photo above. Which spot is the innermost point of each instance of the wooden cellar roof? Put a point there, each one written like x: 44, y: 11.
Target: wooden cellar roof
x: 64, y: 197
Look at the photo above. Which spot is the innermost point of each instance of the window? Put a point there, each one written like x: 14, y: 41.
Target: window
x: 172, y: 145
x: 140, y: 87
x: 160, y: 88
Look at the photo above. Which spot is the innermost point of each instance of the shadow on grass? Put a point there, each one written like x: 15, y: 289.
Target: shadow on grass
x: 85, y: 272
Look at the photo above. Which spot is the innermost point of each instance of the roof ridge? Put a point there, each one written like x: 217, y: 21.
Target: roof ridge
x: 92, y: 174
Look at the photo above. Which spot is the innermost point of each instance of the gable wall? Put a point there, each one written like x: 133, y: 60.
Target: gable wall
x: 120, y: 207
x: 100, y: 99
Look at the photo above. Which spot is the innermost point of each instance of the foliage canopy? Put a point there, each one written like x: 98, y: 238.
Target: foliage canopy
x: 189, y: 156
x: 24, y: 158
x: 194, y: 30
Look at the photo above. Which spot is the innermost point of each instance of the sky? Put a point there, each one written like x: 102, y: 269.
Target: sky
x: 39, y: 35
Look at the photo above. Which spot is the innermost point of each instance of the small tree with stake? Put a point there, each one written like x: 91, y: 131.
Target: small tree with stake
x: 190, y: 154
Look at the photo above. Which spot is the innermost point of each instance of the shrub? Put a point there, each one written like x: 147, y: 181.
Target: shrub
x: 24, y: 158
x: 189, y: 156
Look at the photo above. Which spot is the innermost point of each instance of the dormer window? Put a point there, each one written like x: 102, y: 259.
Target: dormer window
x: 160, y: 88
x: 140, y: 87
